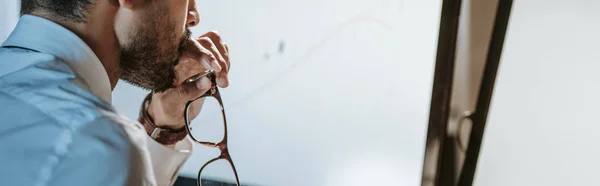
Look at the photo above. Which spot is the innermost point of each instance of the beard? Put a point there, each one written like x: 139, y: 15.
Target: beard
x: 144, y: 63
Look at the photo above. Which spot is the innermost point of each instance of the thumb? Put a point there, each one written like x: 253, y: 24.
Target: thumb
x: 193, y: 90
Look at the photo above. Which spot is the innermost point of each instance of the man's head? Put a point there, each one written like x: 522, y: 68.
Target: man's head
x: 150, y: 33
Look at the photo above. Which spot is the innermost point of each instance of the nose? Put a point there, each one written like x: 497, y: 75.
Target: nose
x: 193, y: 18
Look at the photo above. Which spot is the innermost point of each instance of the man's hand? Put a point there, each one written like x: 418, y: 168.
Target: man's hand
x: 205, y: 53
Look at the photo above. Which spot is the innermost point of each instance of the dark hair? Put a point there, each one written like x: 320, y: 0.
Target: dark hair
x: 67, y: 10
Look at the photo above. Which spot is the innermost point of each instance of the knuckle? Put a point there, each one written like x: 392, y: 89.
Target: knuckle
x: 210, y: 55
x: 222, y: 62
x: 205, y: 50
x: 214, y: 34
x: 226, y: 48
x: 225, y: 57
x: 205, y: 41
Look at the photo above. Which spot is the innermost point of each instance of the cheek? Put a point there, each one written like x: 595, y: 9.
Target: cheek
x: 178, y: 12
x: 124, y: 26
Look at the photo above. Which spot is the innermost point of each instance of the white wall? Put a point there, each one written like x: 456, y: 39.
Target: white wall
x: 9, y: 15
x: 345, y: 104
x: 543, y: 127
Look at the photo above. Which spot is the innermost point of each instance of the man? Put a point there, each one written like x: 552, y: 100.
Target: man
x: 57, y: 70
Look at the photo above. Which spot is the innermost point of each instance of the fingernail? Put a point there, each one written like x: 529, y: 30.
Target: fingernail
x: 223, y: 81
x: 215, y: 64
x: 203, y: 83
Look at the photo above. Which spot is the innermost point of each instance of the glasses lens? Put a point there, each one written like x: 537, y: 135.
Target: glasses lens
x: 208, y: 125
x: 219, y: 173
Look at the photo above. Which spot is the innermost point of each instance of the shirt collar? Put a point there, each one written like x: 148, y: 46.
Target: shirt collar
x: 45, y: 36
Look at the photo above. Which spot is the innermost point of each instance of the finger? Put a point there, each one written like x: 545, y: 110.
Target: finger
x: 173, y: 98
x: 222, y: 77
x: 222, y: 80
x: 194, y: 59
x: 228, y: 64
x: 210, y: 46
x: 215, y: 37
x: 193, y: 90
x: 190, y: 66
x: 226, y: 56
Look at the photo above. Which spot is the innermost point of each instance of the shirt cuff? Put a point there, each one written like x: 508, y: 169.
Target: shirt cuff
x: 166, y: 161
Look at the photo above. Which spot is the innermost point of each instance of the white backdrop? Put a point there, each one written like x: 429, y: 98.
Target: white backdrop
x: 543, y: 127
x: 345, y: 103
x: 9, y: 15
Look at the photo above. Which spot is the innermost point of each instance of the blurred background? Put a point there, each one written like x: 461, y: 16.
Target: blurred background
x: 337, y: 92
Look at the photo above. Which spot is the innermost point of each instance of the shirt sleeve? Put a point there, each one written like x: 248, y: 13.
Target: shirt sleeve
x: 166, y: 161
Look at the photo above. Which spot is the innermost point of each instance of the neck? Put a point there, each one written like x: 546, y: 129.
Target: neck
x: 99, y: 34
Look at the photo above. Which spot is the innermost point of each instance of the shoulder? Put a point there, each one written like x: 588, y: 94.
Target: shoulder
x: 26, y: 61
x: 54, y: 131
x: 41, y: 149
x: 45, y: 83
x: 41, y: 91
x: 109, y: 150
x: 105, y: 150
x: 103, y: 153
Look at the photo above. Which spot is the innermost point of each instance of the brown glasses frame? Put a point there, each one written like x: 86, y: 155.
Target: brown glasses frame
x: 222, y: 145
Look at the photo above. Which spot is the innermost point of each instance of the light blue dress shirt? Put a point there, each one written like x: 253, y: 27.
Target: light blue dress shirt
x: 57, y: 125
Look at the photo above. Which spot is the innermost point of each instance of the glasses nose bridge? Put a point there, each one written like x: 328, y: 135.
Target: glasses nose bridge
x: 225, y: 155
x: 223, y: 147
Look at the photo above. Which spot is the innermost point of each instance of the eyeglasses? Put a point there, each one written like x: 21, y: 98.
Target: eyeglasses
x: 206, y: 127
